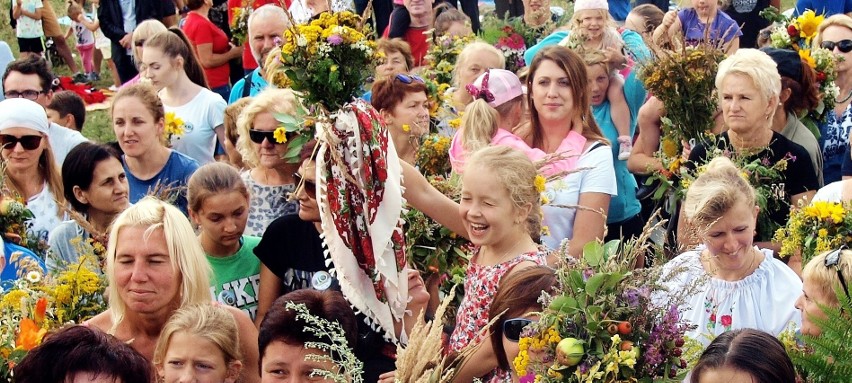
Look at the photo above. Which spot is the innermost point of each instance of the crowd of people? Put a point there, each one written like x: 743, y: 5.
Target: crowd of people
x: 196, y: 201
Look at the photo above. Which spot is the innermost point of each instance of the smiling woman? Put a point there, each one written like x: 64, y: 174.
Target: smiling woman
x: 154, y: 268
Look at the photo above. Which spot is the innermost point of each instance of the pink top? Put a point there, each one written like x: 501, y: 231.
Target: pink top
x: 570, y: 148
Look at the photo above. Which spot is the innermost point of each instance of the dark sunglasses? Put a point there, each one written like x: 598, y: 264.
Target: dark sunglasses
x: 512, y: 328
x: 408, y: 79
x: 845, y: 46
x: 27, y: 142
x: 257, y: 136
x: 309, y: 186
x: 139, y: 43
x: 31, y: 95
x: 833, y: 260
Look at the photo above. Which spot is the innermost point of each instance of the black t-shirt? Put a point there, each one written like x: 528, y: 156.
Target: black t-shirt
x: 799, y: 177
x: 747, y: 14
x: 293, y: 250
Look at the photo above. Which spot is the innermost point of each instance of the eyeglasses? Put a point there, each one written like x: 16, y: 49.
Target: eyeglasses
x: 309, y: 186
x: 31, y: 95
x: 512, y: 328
x: 139, y: 43
x: 833, y: 260
x: 845, y: 46
x: 257, y: 136
x: 27, y: 142
x: 408, y: 79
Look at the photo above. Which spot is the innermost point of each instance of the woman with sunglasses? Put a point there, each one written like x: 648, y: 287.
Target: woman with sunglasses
x: 291, y: 252
x: 513, y: 309
x: 269, y: 176
x: 30, y: 171
x: 733, y: 283
x: 138, y: 121
x: 822, y: 278
x: 835, y: 34
x: 404, y: 106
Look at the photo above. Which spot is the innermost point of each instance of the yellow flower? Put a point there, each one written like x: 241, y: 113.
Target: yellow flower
x: 333, y: 68
x: 808, y: 24
x: 455, y: 123
x: 406, y: 128
x: 13, y: 300
x: 539, y: 183
x: 823, y: 233
x: 280, y: 135
x: 805, y: 54
x: 670, y: 148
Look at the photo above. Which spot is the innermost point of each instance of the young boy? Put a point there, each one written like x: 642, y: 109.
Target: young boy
x: 67, y: 109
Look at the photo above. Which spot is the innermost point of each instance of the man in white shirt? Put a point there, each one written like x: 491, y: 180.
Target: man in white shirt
x: 31, y: 79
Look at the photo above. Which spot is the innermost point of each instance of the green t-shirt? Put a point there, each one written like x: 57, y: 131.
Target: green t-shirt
x: 236, y: 278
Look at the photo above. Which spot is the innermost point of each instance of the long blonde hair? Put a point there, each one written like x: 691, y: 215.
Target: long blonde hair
x: 185, y: 253
x: 271, y: 100
x: 49, y: 172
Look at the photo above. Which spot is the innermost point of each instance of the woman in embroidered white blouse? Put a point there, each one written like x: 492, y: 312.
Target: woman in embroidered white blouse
x: 739, y: 284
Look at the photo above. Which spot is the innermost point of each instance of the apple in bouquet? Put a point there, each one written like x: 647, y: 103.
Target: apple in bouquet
x: 569, y: 352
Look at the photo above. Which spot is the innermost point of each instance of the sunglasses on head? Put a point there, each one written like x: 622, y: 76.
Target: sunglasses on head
x: 512, y: 328
x: 309, y: 186
x: 27, y: 142
x: 257, y: 136
x: 833, y: 260
x: 408, y: 79
x: 845, y: 46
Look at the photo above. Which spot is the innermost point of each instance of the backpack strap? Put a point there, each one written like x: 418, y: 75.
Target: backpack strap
x: 247, y: 84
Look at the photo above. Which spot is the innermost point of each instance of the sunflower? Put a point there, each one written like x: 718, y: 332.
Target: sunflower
x: 808, y: 24
x: 805, y: 54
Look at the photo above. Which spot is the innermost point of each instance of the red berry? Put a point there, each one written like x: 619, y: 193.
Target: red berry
x: 626, y: 345
x: 625, y: 328
x: 792, y: 31
x: 673, y: 373
x: 678, y: 342
x: 682, y: 363
x: 820, y: 76
x: 677, y: 351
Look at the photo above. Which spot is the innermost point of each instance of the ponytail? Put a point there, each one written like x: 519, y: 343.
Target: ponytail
x: 479, y: 124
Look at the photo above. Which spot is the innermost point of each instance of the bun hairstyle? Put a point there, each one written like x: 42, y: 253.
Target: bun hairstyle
x: 716, y: 192
x: 516, y: 172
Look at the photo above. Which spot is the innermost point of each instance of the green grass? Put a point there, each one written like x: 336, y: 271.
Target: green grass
x: 98, y: 127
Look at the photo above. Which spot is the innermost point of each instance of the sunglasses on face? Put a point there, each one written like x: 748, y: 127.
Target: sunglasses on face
x: 845, y: 46
x: 31, y: 95
x: 833, y: 260
x: 512, y: 328
x: 408, y: 79
x: 257, y: 136
x: 27, y: 142
x: 309, y: 186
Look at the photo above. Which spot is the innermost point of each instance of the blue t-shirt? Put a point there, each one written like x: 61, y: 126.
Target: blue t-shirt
x: 172, y: 176
x: 257, y: 84
x: 634, y: 46
x: 624, y: 205
x: 723, y: 27
x: 619, y: 9
x: 827, y: 7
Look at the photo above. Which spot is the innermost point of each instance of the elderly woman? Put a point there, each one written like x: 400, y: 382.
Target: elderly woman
x: 749, y: 85
x: 154, y: 267
x: 559, y: 102
x: 823, y: 277
x: 270, y: 176
x: 95, y: 185
x: 83, y: 354
x: 30, y: 171
x: 734, y: 283
x: 474, y: 59
x: 835, y: 34
x: 401, y: 99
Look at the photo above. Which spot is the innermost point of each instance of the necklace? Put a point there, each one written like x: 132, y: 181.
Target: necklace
x: 506, y: 254
x: 713, y: 261
x: 847, y: 98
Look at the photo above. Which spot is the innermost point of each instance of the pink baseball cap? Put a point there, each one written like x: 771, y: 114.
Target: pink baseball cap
x: 581, y: 5
x: 496, y: 86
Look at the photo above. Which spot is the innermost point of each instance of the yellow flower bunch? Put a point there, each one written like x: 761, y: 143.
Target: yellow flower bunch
x: 539, y: 183
x: 808, y: 24
x: 815, y: 228
x: 174, y: 126
x: 827, y: 211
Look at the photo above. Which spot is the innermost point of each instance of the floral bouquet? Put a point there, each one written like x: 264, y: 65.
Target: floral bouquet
x: 327, y: 59
x: 604, y: 326
x: 436, y: 92
x: 797, y: 33
x: 442, y: 56
x: 13, y: 224
x: 815, y: 228
x: 173, y: 127
x: 513, y: 47
x: 239, y: 23
x: 37, y: 304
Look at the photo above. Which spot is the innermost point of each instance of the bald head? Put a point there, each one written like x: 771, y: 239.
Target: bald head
x: 266, y: 27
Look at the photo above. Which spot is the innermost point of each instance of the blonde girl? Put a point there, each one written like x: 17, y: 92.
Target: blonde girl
x: 592, y: 28
x: 199, y: 344
x: 499, y: 208
x: 219, y: 205
x: 691, y: 25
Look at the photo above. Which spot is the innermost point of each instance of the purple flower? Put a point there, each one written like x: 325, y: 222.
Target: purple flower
x: 587, y: 273
x: 765, y: 161
x: 335, y: 39
x: 278, y: 41
x: 528, y: 378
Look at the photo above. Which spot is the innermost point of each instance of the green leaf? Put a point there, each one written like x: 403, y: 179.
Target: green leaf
x: 611, y: 248
x: 576, y: 278
x: 594, y: 283
x: 613, y: 280
x: 593, y: 253
x: 565, y: 304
